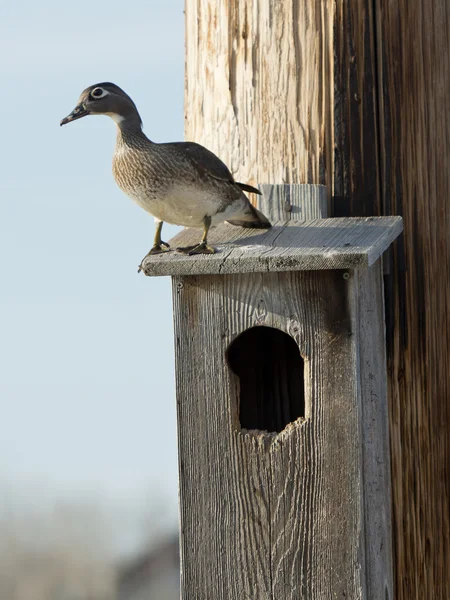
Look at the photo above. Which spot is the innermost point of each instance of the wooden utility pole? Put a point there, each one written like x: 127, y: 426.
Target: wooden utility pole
x: 355, y: 95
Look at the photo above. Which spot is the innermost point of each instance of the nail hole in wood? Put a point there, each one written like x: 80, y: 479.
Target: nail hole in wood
x: 272, y: 379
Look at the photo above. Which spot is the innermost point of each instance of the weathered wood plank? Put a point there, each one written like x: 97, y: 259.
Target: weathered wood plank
x: 414, y: 63
x: 375, y: 432
x: 303, y: 514
x: 313, y: 245
x: 299, y: 202
x: 259, y: 87
x: 355, y: 116
x: 268, y: 516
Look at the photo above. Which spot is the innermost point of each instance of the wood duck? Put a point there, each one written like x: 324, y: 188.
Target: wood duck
x: 182, y: 183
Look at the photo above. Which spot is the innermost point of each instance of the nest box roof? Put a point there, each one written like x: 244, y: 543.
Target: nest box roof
x: 339, y: 243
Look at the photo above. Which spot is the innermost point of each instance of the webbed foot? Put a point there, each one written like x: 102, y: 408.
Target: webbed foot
x: 155, y: 249
x: 158, y: 248
x: 201, y: 248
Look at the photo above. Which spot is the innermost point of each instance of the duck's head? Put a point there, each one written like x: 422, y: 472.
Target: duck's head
x: 105, y: 99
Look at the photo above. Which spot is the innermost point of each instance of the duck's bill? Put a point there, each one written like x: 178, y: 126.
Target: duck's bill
x: 78, y: 112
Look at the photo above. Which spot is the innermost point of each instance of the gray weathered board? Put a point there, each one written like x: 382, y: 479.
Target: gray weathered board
x: 296, y: 201
x: 341, y: 243
x: 303, y: 514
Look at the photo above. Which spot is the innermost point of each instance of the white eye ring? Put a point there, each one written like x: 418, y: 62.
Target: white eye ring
x: 98, y: 92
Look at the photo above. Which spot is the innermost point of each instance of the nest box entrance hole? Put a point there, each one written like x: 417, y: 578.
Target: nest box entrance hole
x: 271, y: 372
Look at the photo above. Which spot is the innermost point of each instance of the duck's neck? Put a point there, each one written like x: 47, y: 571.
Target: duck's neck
x: 131, y: 122
x: 129, y: 129
x: 128, y: 119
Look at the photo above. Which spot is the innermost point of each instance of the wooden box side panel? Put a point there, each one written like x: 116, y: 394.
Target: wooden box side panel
x: 368, y: 285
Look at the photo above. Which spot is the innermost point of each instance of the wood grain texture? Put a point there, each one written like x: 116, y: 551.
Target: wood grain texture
x: 375, y: 427
x: 286, y: 515
x: 392, y: 76
x: 259, y: 86
x: 299, y: 202
x: 357, y: 98
x: 414, y: 59
x: 356, y: 164
x: 289, y: 246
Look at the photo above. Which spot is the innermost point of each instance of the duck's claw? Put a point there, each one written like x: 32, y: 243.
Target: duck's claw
x: 155, y: 249
x: 201, y: 248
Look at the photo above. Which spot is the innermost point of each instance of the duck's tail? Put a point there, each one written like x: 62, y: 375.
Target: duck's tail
x: 252, y: 218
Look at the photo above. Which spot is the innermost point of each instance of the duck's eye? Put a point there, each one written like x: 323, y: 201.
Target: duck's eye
x: 98, y: 93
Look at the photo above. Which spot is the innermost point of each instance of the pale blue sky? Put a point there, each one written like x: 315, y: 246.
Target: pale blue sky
x: 86, y: 356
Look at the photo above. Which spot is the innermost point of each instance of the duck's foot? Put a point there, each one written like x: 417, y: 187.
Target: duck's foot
x: 156, y: 249
x: 201, y: 248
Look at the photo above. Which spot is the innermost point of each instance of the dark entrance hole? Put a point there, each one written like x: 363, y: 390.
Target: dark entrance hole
x: 272, y: 380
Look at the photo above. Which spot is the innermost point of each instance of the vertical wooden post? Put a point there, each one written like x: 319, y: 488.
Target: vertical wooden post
x: 414, y: 130
x: 352, y: 95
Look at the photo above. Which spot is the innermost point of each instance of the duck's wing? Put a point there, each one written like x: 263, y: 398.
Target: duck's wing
x: 206, y: 162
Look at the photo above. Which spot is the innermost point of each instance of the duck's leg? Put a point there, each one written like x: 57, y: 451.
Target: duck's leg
x: 202, y: 247
x: 158, y: 245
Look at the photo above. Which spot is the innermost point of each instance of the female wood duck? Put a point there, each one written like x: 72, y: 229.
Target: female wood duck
x: 180, y: 182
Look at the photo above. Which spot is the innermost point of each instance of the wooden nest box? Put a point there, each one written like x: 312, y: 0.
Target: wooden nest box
x: 282, y: 410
